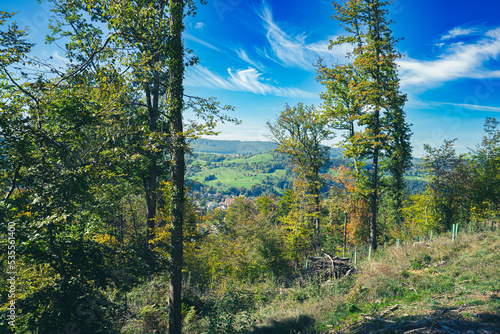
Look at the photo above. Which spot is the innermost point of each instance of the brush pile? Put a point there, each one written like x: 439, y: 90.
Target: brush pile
x: 326, y: 267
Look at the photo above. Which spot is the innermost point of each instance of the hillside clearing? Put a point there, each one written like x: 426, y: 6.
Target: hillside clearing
x: 449, y: 287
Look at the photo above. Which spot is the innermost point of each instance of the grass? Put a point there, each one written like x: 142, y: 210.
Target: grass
x: 231, y: 177
x: 448, y: 280
x: 236, y: 176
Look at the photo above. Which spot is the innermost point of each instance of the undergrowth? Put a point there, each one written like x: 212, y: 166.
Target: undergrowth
x: 442, y: 278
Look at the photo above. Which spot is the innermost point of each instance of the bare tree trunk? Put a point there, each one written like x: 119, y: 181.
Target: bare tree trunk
x: 175, y: 106
x: 374, y: 190
x: 373, y: 207
x: 345, y: 235
x: 150, y: 184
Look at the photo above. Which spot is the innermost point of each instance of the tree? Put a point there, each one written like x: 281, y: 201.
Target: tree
x: 175, y: 106
x: 341, y: 104
x: 133, y: 69
x: 366, y: 94
x: 57, y: 137
x: 299, y: 132
x: 398, y: 160
x: 450, y: 183
x: 485, y: 161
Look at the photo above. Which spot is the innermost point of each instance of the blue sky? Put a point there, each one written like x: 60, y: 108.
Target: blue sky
x: 259, y: 55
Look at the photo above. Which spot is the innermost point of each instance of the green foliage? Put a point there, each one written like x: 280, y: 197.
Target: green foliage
x: 363, y: 98
x: 229, y: 313
x: 147, y: 308
x: 421, y: 216
x: 450, y: 181
x: 299, y: 132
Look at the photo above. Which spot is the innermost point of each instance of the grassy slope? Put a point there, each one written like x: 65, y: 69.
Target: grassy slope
x: 455, y: 283
x: 235, y: 176
x: 447, y: 280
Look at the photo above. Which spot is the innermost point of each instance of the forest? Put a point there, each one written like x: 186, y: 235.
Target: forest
x: 102, y: 226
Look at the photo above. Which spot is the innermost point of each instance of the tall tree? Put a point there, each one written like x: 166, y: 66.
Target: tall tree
x: 450, y: 183
x: 368, y: 92
x: 486, y: 165
x: 398, y: 160
x: 175, y: 107
x: 299, y: 132
x: 144, y: 40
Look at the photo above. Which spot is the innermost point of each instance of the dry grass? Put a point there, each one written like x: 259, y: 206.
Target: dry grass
x: 456, y: 280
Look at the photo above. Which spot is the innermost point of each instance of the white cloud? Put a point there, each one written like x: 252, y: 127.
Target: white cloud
x: 294, y: 51
x: 467, y: 106
x: 458, y: 31
x: 200, y: 26
x: 244, y: 56
x: 458, y: 61
x: 247, y: 80
x: 56, y: 58
x: 200, y: 41
x: 249, y: 130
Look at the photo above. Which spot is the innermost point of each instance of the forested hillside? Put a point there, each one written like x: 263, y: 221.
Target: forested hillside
x: 116, y: 217
x: 231, y: 146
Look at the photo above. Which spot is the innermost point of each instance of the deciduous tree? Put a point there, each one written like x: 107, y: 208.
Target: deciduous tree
x: 366, y: 94
x: 299, y: 132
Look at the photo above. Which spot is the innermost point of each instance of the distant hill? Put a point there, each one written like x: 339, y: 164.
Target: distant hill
x: 252, y: 169
x: 240, y: 147
x: 231, y: 146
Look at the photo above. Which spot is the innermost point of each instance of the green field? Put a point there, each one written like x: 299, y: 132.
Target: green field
x: 240, y: 171
x: 271, y: 171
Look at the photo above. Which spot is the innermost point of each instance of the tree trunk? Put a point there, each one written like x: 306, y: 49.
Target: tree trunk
x: 317, y: 213
x: 373, y: 208
x: 374, y: 190
x: 175, y: 106
x: 151, y: 201
x: 345, y: 235
x: 150, y: 185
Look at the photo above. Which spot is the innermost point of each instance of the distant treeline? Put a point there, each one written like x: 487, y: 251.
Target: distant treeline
x: 241, y: 147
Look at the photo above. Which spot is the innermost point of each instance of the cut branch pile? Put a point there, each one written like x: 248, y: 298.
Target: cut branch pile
x: 327, y: 267
x: 372, y: 325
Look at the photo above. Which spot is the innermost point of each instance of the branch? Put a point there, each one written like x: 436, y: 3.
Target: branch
x: 19, y: 87
x: 13, y: 185
x: 409, y: 286
x: 87, y: 63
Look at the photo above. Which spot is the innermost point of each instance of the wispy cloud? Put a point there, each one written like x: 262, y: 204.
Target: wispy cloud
x: 247, y: 80
x: 459, y: 31
x: 457, y: 61
x: 294, y: 51
x: 466, y: 106
x: 244, y: 56
x: 187, y: 35
x: 249, y: 130
x: 55, y: 58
